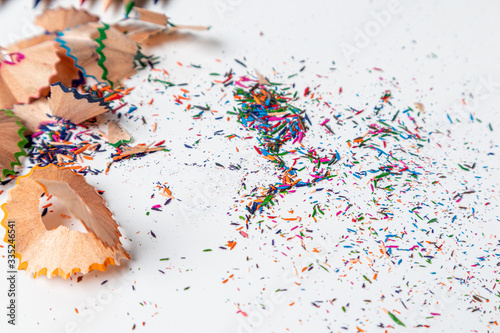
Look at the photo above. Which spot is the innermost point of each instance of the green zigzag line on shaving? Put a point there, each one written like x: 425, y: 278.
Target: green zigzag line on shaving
x: 102, y: 57
x: 120, y: 142
x: 20, y: 144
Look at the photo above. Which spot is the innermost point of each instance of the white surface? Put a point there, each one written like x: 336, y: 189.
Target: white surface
x: 463, y: 36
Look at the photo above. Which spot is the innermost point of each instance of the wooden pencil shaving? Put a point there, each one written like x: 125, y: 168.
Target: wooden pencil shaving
x: 140, y: 32
x: 66, y: 71
x: 32, y: 115
x: 117, y: 135
x: 150, y: 16
x: 69, y: 104
x: 25, y: 43
x: 64, y: 103
x: 101, y: 51
x: 26, y: 75
x: 118, y: 54
x: 420, y: 106
x: 61, y: 251
x: 145, y: 24
x: 12, y: 142
x: 62, y: 18
x: 190, y: 27
x: 139, y: 149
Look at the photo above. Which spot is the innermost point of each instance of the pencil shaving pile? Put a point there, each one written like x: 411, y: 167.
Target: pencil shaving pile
x: 45, y: 80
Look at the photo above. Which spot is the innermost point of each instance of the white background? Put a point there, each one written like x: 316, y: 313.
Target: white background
x: 436, y: 50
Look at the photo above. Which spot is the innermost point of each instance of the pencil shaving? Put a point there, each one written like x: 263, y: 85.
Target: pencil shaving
x: 61, y: 251
x: 117, y: 135
x: 12, y: 142
x: 62, y: 18
x: 26, y: 75
x: 63, y: 103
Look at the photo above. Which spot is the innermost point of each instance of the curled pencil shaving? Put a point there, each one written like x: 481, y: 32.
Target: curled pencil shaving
x: 61, y: 251
x: 117, y: 53
x: 144, y: 24
x: 100, y: 51
x: 66, y: 103
x: 25, y: 75
x: 12, y: 142
x: 139, y: 149
x: 150, y: 16
x: 80, y: 45
x: 66, y: 71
